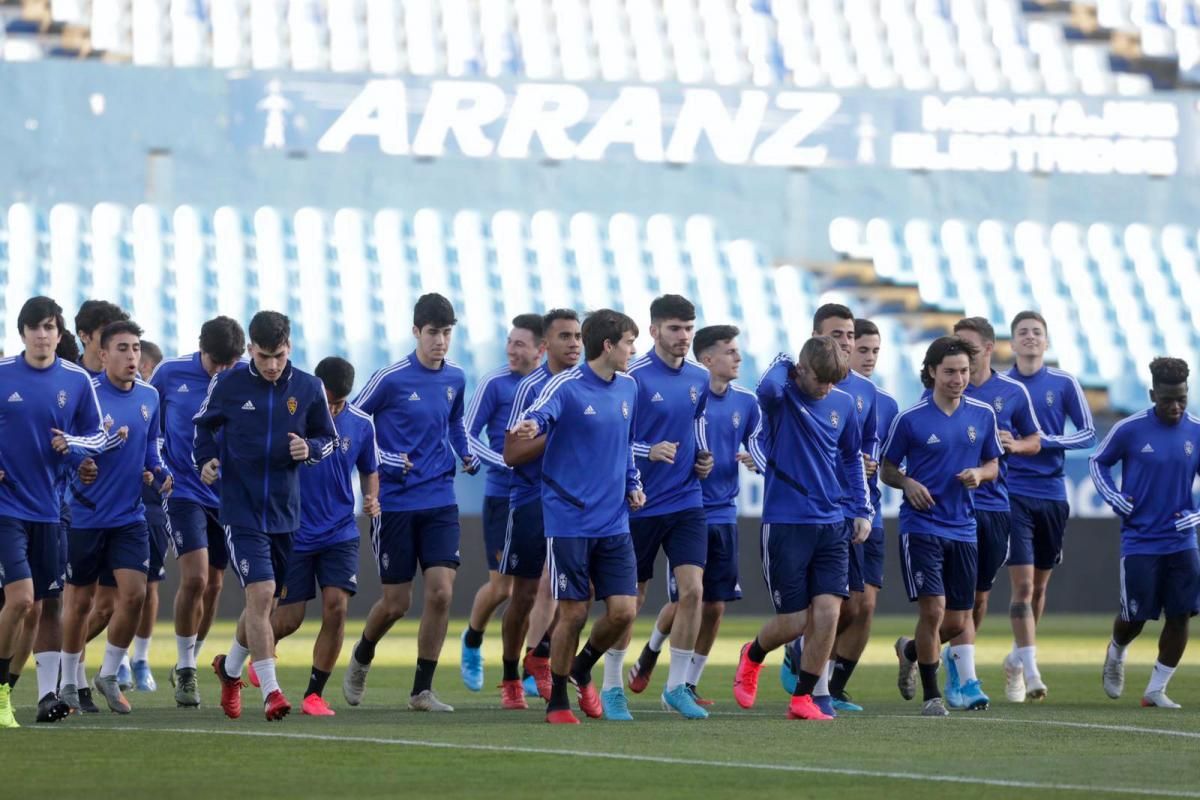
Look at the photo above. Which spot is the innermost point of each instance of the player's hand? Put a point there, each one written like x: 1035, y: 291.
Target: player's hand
x: 637, y: 499
x: 210, y: 472
x: 526, y: 429
x: 704, y: 464
x: 168, y: 485
x: 298, y: 447
x: 862, y: 530
x: 371, y: 505
x: 88, y: 471
x: 1007, y: 442
x: 471, y: 464
x: 747, y: 461
x: 406, y: 461
x: 147, y: 477
x: 664, y: 451
x: 969, y: 478
x: 59, y: 441
x: 870, y: 467
x: 917, y: 495
x: 2, y: 474
x: 123, y: 433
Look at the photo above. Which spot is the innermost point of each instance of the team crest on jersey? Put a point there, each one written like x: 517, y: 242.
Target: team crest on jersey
x: 345, y: 440
x: 737, y: 419
x: 693, y: 394
x: 998, y: 404
x: 834, y: 419
x: 1050, y: 399
x: 244, y: 566
x: 450, y: 394
x: 971, y: 433
x: 145, y: 413
x: 62, y: 398
x: 858, y: 403
x: 292, y: 405
x: 625, y: 409
x: 1187, y: 447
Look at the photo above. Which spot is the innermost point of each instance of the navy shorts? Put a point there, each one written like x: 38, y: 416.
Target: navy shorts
x: 408, y: 539
x: 578, y: 563
x: 855, y: 571
x: 495, y: 526
x: 872, y: 558
x: 335, y: 565
x: 31, y: 550
x: 194, y: 526
x: 92, y: 552
x: 934, y: 566
x: 803, y: 561
x: 258, y: 556
x: 993, y: 529
x: 524, y: 554
x: 1151, y: 585
x: 160, y: 540
x: 721, y: 572
x: 1038, y: 527
x: 682, y: 535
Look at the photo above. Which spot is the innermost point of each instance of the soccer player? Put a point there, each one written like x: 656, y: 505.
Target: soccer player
x: 255, y: 429
x: 198, y: 539
x: 950, y: 446
x: 1019, y: 434
x: 417, y: 406
x: 325, y: 550
x: 49, y: 408
x: 1160, y: 566
x: 160, y: 540
x: 672, y: 392
x: 490, y: 409
x: 813, y: 454
x: 1037, y: 494
x: 524, y: 555
x: 589, y: 484
x: 108, y: 520
x: 90, y: 321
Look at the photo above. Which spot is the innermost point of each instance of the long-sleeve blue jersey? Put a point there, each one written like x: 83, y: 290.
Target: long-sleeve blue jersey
x: 935, y: 448
x: 865, y: 397
x: 1056, y: 395
x: 1159, y: 463
x: 886, y: 409
x: 418, y: 412
x: 527, y: 478
x: 32, y: 402
x: 489, y: 410
x: 731, y: 421
x: 1010, y: 400
x: 327, y: 489
x: 588, y: 467
x: 260, y: 482
x: 670, y: 402
x: 182, y: 385
x: 115, y: 497
x: 813, y: 452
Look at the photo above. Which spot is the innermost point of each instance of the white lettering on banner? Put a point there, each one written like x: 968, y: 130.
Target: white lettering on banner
x: 461, y: 107
x: 379, y: 110
x: 781, y: 149
x: 545, y: 111
x: 704, y: 113
x: 635, y: 118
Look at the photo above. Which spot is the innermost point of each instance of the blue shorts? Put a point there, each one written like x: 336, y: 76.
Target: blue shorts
x: 31, y: 550
x: 934, y: 566
x: 258, y: 556
x: 495, y: 526
x: 160, y: 540
x: 857, y: 579
x: 335, y: 565
x: 578, y: 563
x: 1151, y: 585
x: 873, y: 558
x: 1038, y: 527
x: 682, y: 535
x: 803, y: 561
x: 721, y: 571
x: 524, y: 554
x: 993, y: 531
x: 93, y: 551
x: 427, y: 537
x: 193, y: 527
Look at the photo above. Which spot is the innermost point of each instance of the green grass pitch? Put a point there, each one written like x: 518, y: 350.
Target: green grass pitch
x: 1077, y: 744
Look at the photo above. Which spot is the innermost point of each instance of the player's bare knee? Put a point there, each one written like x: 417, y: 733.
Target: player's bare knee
x: 1020, y: 609
x: 437, y: 598
x: 19, y: 603
x: 193, y: 585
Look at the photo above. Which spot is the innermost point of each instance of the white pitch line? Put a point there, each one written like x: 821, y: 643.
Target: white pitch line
x: 686, y: 762
x: 1095, y: 726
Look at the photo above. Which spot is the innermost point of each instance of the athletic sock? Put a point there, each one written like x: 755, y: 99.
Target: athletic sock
x: 141, y: 648
x: 657, y: 638
x: 47, y: 665
x: 696, y: 669
x: 423, y: 678
x: 185, y: 652
x: 543, y: 648
x: 614, y: 669
x: 585, y: 659
x: 1028, y: 656
x: 5, y: 665
x: 316, y: 682
x: 511, y: 672
x: 806, y: 683
x: 929, y: 681
x: 113, y: 656
x: 843, y: 668
x: 681, y: 662
x: 81, y: 680
x: 964, y: 662
x: 822, y: 687
x: 235, y: 659
x: 1160, y: 676
x: 910, y: 650
x: 755, y: 652
x: 12, y: 680
x: 70, y: 669
x: 266, y: 676
x: 1116, y: 651
x: 473, y: 638
x: 364, y: 651
x: 558, y: 693
x: 196, y: 650
x: 125, y: 661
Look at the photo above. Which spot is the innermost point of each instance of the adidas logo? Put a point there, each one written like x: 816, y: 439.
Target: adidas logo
x: 1147, y: 448
x: 248, y: 406
x: 414, y: 396
x: 354, y: 579
x: 658, y: 398
x: 589, y: 412
x: 15, y: 397
x: 933, y: 439
x: 183, y: 388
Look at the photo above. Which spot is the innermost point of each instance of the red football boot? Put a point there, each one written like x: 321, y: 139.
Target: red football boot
x: 512, y: 696
x: 276, y: 706
x: 231, y: 689
x: 745, y: 680
x: 803, y: 707
x: 539, y: 668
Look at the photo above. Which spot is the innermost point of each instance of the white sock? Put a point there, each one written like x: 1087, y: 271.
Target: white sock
x: 696, y: 669
x: 141, y: 648
x: 614, y: 669
x: 113, y: 656
x: 822, y: 687
x: 199, y: 646
x: 1116, y: 651
x: 657, y: 638
x: 47, y: 664
x: 681, y: 662
x: 1159, y: 678
x: 81, y: 672
x: 235, y: 660
x: 125, y: 661
x: 964, y: 662
x: 71, y: 667
x: 185, y: 652
x: 1028, y: 656
x: 266, y: 676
